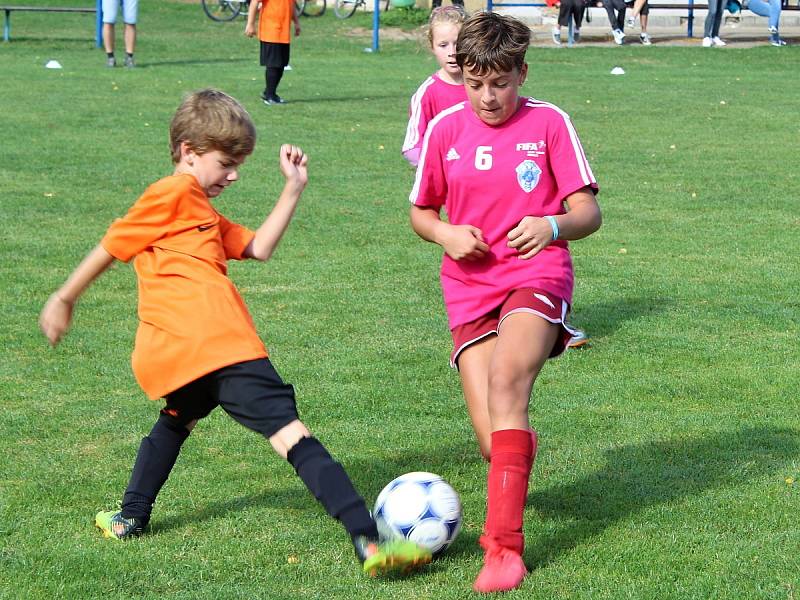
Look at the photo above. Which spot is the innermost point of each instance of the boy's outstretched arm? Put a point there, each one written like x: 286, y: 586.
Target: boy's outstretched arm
x: 57, y: 313
x: 293, y: 163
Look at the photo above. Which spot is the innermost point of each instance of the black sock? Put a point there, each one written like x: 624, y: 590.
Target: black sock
x: 129, y: 54
x: 273, y: 77
x: 330, y: 484
x: 110, y: 54
x: 157, y: 455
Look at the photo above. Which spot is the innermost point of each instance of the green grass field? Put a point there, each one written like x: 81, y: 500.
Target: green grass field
x: 670, y: 448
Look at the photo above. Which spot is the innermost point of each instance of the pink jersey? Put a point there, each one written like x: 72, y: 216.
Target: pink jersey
x: 490, y: 178
x: 431, y: 98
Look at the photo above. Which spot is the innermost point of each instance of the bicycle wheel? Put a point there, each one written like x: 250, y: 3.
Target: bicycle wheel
x: 314, y: 8
x: 222, y: 10
x: 345, y: 8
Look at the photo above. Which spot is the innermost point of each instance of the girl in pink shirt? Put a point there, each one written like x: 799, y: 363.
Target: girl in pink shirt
x: 515, y: 183
x: 441, y: 90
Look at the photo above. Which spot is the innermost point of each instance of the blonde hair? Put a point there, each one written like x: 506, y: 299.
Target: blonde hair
x: 492, y: 42
x: 210, y: 120
x: 445, y: 15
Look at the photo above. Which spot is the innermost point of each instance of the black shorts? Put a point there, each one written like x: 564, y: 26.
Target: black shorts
x: 274, y: 55
x: 251, y: 392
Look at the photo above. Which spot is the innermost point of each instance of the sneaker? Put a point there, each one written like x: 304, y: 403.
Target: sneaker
x: 273, y: 100
x: 556, y: 35
x: 707, y: 43
x: 630, y: 21
x: 775, y: 40
x: 129, y: 62
x: 503, y: 570
x: 576, y: 35
x: 578, y: 339
x: 645, y: 39
x: 716, y: 41
x: 115, y: 526
x: 111, y: 61
x: 393, y: 556
x: 618, y: 36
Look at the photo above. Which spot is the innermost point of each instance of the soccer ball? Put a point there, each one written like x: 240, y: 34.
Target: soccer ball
x: 421, y: 507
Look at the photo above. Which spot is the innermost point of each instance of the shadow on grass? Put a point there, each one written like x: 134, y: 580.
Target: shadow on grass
x: 604, y: 318
x: 347, y: 99
x: 643, y: 475
x: 194, y: 61
x: 288, y: 498
x: 363, y: 472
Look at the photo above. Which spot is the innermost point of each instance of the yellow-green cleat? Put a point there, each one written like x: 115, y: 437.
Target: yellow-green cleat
x: 390, y: 557
x: 115, y: 526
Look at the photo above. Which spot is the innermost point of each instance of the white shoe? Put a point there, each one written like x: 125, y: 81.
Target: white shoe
x: 707, y: 43
x: 618, y: 36
x: 718, y: 42
x: 630, y: 21
x: 556, y: 35
x: 578, y: 339
x: 645, y: 39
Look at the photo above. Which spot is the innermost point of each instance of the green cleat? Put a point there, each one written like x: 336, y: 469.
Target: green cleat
x: 115, y: 526
x: 390, y: 557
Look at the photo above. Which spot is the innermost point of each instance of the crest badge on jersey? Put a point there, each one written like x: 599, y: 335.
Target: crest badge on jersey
x: 528, y: 175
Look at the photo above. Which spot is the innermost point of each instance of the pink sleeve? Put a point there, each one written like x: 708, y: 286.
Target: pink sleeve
x: 430, y: 184
x: 412, y: 156
x: 419, y: 114
x: 567, y: 158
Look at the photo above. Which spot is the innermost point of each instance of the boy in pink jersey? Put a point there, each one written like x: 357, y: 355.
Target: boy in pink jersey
x: 441, y: 90
x: 515, y: 183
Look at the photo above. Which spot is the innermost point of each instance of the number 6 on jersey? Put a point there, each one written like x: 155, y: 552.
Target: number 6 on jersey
x: 483, y: 160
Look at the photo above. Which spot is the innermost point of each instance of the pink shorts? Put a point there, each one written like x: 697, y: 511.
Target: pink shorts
x: 530, y: 300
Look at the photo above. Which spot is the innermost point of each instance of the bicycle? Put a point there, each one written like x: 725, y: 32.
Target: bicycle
x: 225, y: 10
x: 228, y: 10
x: 344, y: 9
x: 311, y: 8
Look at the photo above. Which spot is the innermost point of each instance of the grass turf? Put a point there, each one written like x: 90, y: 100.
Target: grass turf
x: 669, y: 448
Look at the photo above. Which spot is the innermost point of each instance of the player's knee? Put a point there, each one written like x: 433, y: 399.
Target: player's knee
x: 486, y: 451
x: 507, y: 381
x: 288, y: 436
x: 170, y: 427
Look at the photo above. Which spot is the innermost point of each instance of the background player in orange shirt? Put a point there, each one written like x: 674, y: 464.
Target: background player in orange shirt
x: 196, y: 344
x: 274, y: 22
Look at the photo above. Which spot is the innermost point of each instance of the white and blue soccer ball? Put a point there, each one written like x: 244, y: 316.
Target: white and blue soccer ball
x: 421, y: 507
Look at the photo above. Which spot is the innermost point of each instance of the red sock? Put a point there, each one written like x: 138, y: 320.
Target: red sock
x: 511, y: 461
x: 534, y: 444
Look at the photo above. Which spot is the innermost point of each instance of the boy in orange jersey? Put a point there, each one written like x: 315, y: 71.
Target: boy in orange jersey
x: 274, y: 23
x: 196, y: 345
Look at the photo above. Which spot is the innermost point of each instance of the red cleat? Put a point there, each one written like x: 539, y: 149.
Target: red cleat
x: 503, y: 570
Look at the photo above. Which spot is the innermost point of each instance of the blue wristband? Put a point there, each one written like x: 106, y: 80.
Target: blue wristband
x: 554, y: 225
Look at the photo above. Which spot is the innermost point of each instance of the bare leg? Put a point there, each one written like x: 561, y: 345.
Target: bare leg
x: 130, y: 38
x: 108, y: 37
x: 288, y: 436
x: 473, y: 365
x: 523, y: 346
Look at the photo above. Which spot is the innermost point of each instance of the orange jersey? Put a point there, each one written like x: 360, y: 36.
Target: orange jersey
x: 192, y: 319
x: 275, y: 20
